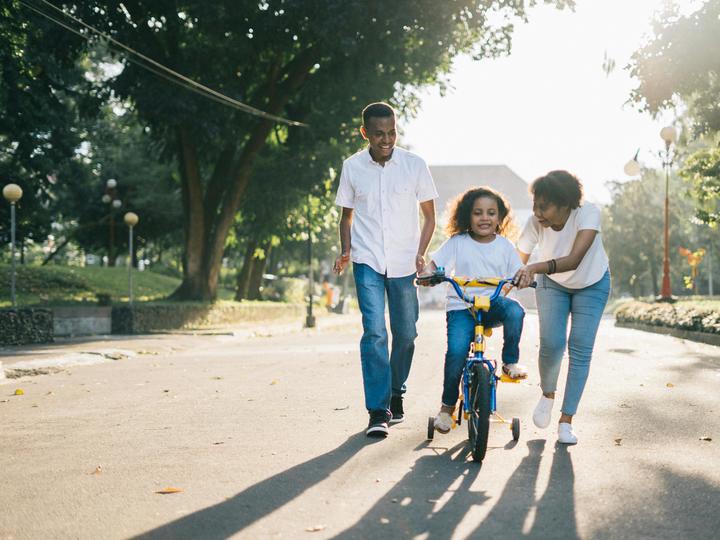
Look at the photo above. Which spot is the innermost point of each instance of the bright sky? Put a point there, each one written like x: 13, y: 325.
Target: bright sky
x: 549, y: 105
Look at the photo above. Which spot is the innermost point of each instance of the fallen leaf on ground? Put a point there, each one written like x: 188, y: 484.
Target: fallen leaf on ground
x: 19, y: 392
x: 169, y: 490
x: 705, y: 438
x: 217, y: 378
x: 618, y: 442
x: 98, y: 470
x: 315, y: 528
x: 221, y: 442
x: 345, y: 408
x: 273, y: 382
x: 669, y: 385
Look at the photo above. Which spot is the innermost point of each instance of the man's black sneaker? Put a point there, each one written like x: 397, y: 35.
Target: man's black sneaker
x: 378, y: 426
x: 396, y: 409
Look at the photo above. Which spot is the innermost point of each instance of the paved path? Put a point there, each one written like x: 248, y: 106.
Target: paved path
x: 263, y: 435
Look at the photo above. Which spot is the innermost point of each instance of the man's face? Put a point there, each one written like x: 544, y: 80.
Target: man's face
x: 381, y: 135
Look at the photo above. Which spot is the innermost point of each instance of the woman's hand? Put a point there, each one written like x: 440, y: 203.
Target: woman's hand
x: 419, y: 263
x: 524, y: 277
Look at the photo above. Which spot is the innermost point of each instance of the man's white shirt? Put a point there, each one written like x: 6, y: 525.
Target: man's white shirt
x: 385, y: 230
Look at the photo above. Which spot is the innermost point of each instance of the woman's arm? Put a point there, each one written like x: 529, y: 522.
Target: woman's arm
x: 571, y: 261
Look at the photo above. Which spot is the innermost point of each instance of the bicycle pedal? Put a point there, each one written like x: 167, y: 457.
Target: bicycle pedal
x: 507, y: 378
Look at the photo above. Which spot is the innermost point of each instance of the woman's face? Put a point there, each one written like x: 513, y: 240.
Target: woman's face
x: 549, y: 214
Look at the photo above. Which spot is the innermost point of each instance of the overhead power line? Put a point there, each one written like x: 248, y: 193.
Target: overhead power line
x: 157, y: 68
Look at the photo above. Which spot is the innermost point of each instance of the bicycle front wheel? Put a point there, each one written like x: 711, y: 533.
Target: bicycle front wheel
x: 479, y: 419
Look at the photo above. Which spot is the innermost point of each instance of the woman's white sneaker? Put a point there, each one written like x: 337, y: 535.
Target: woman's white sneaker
x: 543, y: 410
x: 565, y: 434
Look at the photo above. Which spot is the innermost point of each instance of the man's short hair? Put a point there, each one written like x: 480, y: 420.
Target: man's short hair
x: 377, y: 110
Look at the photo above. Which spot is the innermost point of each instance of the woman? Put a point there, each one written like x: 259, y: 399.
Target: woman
x: 574, y: 281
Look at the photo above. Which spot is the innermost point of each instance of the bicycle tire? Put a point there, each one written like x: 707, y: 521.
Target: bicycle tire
x: 479, y: 418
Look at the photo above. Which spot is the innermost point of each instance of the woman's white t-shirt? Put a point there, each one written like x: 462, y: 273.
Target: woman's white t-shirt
x: 554, y: 244
x: 463, y: 256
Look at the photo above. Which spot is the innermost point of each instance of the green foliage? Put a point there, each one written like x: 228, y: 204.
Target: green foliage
x: 43, y: 92
x: 681, y: 63
x: 58, y: 285
x: 702, y: 171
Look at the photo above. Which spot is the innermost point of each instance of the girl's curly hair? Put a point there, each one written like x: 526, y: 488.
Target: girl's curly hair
x: 461, y: 210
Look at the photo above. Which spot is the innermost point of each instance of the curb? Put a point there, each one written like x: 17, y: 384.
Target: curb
x: 701, y: 337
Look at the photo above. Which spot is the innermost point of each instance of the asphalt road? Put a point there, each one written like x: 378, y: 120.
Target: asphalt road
x: 263, y: 436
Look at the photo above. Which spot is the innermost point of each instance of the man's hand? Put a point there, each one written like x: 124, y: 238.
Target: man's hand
x: 524, y: 277
x: 341, y: 262
x: 419, y: 263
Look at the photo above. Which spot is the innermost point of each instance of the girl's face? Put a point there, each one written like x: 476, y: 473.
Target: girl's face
x: 549, y: 214
x: 485, y: 218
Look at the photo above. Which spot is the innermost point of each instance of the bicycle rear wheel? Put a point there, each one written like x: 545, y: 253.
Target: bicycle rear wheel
x: 479, y: 419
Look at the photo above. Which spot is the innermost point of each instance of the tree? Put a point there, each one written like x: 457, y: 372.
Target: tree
x: 43, y: 93
x: 632, y: 232
x: 117, y: 146
x: 308, y: 61
x: 682, y: 62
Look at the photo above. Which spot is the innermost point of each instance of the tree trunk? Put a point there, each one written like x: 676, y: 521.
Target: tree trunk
x: 208, y: 219
x: 256, y: 274
x: 654, y: 279
x: 243, y: 277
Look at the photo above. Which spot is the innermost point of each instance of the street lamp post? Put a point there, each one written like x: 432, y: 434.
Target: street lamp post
x: 12, y: 193
x: 310, y: 319
x: 131, y: 219
x: 110, y: 197
x: 669, y: 135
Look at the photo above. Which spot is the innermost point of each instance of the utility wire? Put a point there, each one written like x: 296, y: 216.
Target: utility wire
x: 162, y: 71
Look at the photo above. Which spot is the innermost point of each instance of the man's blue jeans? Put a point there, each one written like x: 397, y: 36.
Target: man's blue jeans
x: 504, y: 312
x: 584, y: 307
x: 385, y: 374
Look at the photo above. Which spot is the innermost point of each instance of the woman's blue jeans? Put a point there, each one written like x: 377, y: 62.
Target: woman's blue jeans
x: 504, y: 312
x: 385, y: 374
x: 584, y: 308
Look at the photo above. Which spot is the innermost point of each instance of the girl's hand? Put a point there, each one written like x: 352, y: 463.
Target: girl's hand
x: 419, y: 263
x: 524, y: 277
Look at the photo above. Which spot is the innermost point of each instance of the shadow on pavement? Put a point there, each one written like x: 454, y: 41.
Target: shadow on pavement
x: 239, y: 512
x: 406, y: 511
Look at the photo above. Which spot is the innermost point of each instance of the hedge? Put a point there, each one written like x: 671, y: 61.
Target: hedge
x: 26, y: 325
x: 144, y: 318
x: 680, y: 315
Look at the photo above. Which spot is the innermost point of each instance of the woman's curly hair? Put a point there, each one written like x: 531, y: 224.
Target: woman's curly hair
x: 461, y: 209
x: 560, y: 188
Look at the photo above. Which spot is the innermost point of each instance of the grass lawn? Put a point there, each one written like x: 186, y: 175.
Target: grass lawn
x: 68, y: 285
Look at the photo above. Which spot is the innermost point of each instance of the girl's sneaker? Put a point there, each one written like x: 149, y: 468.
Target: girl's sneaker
x: 565, y: 434
x: 515, y: 371
x: 443, y: 422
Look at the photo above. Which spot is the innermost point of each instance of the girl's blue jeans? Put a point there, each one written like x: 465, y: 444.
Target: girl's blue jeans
x: 584, y: 307
x: 384, y: 374
x: 504, y: 312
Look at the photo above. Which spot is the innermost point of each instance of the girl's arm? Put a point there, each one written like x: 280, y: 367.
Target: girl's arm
x: 571, y: 261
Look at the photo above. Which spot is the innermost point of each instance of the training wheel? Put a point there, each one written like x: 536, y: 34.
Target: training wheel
x: 431, y: 428
x: 515, y: 427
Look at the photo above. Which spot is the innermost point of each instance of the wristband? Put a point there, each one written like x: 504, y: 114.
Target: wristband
x: 552, y: 266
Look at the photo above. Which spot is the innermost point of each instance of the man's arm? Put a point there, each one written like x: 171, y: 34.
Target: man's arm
x: 428, y: 228
x: 345, y: 241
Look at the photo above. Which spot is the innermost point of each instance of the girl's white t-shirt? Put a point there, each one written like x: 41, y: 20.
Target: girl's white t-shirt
x: 463, y: 256
x: 554, y: 244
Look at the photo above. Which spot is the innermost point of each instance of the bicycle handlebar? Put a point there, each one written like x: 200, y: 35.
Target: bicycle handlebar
x: 438, y: 276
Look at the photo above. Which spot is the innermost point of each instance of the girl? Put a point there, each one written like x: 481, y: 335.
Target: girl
x: 575, y: 284
x: 476, y: 249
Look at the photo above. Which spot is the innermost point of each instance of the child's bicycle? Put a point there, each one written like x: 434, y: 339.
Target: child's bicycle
x: 479, y: 380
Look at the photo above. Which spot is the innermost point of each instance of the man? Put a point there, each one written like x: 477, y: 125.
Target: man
x: 380, y: 188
